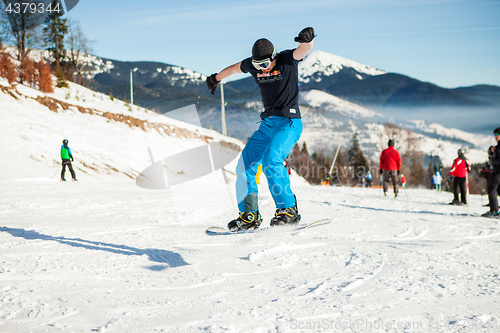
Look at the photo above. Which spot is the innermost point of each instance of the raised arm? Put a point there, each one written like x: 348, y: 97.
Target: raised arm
x: 214, y: 79
x: 305, y: 38
x: 228, y: 71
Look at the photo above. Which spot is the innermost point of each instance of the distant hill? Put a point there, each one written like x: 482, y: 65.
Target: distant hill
x: 394, y: 97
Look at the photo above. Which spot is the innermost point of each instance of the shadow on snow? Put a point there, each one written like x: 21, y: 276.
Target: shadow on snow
x: 395, y: 211
x: 166, y: 258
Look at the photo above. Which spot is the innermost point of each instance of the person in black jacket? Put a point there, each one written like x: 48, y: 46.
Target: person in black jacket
x: 494, y: 179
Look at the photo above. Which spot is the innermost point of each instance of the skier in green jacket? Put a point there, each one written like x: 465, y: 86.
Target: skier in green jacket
x: 66, y: 158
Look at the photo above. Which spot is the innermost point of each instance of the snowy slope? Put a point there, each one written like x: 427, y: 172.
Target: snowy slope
x: 325, y: 101
x: 106, y: 137
x: 103, y: 255
x: 111, y: 257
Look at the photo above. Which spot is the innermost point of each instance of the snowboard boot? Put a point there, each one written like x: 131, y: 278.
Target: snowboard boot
x: 246, y: 221
x: 492, y: 214
x: 284, y: 216
x: 455, y: 202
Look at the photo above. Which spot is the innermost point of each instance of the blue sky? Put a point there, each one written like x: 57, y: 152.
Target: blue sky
x: 451, y: 43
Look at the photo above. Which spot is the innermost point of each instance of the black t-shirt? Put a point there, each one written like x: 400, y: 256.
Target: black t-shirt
x: 280, y: 87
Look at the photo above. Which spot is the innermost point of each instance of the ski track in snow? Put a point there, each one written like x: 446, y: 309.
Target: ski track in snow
x: 94, y: 256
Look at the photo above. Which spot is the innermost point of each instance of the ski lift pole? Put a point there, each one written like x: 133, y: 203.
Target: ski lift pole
x: 467, y: 185
x: 334, y: 159
x: 223, y: 110
x: 403, y: 186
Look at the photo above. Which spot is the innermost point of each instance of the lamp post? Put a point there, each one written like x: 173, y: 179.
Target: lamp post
x: 132, y: 87
x: 223, y: 109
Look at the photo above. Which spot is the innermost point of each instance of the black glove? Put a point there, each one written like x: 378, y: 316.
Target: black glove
x: 305, y: 36
x: 212, y: 83
x: 398, y: 172
x: 381, y: 171
x: 450, y: 178
x: 72, y: 159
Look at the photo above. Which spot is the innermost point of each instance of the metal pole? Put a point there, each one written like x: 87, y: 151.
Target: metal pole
x: 334, y: 159
x: 131, y: 88
x: 223, y: 107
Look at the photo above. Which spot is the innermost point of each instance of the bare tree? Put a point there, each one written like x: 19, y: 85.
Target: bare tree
x: 25, y: 32
x: 408, y: 145
x: 390, y: 131
x: 4, y: 25
x: 78, y: 46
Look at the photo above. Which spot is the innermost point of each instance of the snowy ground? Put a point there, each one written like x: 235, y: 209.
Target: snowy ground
x: 103, y: 255
x: 109, y: 256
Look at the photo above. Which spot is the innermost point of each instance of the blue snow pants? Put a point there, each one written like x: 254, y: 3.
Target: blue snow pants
x: 269, y: 146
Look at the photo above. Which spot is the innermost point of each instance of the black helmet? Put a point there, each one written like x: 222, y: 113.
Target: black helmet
x: 391, y: 142
x: 461, y: 152
x: 263, y: 49
x: 497, y: 130
x: 65, y: 141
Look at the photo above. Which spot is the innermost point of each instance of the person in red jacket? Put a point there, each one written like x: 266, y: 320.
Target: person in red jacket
x: 459, y: 170
x: 390, y: 165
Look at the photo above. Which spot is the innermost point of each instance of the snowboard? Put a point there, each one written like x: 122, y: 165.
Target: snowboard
x: 217, y: 231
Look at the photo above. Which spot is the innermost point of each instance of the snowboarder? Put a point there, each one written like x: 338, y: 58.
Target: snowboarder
x: 276, y: 75
x: 66, y: 158
x: 368, y: 179
x: 493, y: 187
x: 390, y: 166
x: 460, y: 170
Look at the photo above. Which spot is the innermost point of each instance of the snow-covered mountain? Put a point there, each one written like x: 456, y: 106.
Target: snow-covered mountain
x: 318, y: 64
x: 330, y: 120
x: 322, y: 100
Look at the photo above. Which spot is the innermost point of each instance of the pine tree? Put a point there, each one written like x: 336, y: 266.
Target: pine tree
x: 55, y: 29
x: 357, y: 159
x: 304, y: 149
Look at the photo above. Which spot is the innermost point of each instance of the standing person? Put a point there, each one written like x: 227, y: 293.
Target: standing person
x: 460, y: 170
x: 288, y: 168
x: 276, y: 75
x: 493, y: 187
x: 403, y: 182
x: 485, y: 171
x: 328, y: 180
x: 437, y: 181
x: 390, y: 166
x: 368, y: 179
x: 66, y: 158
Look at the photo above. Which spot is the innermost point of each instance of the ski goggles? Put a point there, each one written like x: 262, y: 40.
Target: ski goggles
x: 265, y: 63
